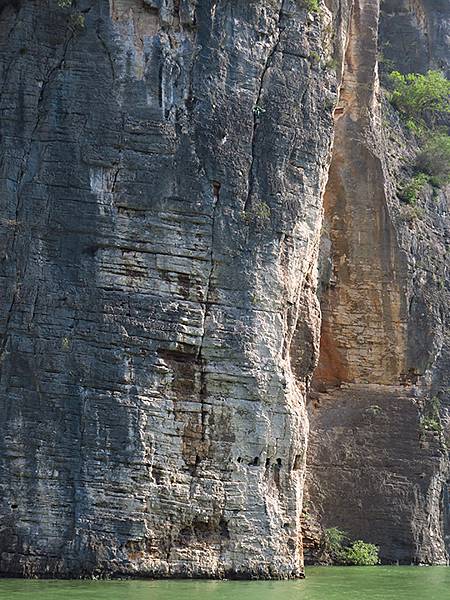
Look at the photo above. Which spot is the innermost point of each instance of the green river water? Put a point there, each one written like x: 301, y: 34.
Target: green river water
x: 322, y: 583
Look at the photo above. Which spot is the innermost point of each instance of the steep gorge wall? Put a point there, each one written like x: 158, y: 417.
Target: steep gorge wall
x: 163, y: 165
x: 373, y: 470
x: 162, y: 171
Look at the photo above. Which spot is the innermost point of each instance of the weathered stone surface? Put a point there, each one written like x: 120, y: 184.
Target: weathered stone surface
x: 373, y: 468
x: 162, y: 170
x: 376, y: 473
x: 162, y: 167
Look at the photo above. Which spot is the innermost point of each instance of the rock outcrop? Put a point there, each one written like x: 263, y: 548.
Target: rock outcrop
x: 164, y: 169
x: 162, y: 172
x: 375, y: 470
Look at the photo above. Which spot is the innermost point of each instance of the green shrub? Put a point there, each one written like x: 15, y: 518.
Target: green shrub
x: 419, y: 96
x: 431, y: 419
x: 357, y: 553
x: 434, y: 159
x: 64, y: 3
x: 334, y: 540
x: 361, y: 553
x: 417, y: 129
x: 412, y: 189
x: 312, y: 5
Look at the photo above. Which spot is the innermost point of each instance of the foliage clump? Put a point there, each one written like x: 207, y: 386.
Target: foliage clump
x: 420, y: 97
x: 431, y: 419
x: 412, y: 189
x: 361, y: 554
x: 312, y: 6
x: 434, y: 159
x: 423, y: 100
x: 357, y: 553
x: 430, y: 424
x: 334, y: 542
x: 77, y: 21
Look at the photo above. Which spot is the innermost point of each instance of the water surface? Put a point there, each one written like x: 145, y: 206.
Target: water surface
x: 322, y: 583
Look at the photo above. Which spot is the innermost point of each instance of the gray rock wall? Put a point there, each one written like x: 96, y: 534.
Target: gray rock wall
x: 163, y: 166
x: 161, y: 177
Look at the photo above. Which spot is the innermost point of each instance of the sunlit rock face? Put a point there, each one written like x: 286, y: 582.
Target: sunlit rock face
x: 188, y: 188
x: 163, y: 165
x: 374, y: 469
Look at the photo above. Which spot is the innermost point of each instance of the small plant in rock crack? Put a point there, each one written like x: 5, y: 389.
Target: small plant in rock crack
x: 412, y: 189
x: 332, y: 64
x: 374, y: 410
x: 314, y: 57
x: 77, y: 21
x: 430, y: 424
x: 412, y: 213
x: 258, y: 214
x: 312, y: 6
x: 262, y: 211
x: 431, y: 419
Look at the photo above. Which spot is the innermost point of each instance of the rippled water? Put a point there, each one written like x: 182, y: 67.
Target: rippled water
x: 322, y: 583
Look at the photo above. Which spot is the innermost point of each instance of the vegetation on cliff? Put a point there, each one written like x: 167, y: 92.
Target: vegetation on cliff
x: 423, y: 100
x: 434, y: 159
x: 344, y: 552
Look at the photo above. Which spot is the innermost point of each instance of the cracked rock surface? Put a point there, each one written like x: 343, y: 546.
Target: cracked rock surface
x: 375, y: 469
x: 162, y: 165
x: 165, y: 168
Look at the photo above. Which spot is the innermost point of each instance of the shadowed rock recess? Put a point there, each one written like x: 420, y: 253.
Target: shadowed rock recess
x: 181, y: 183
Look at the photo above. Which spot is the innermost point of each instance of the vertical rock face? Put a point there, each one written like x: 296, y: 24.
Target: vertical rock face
x: 163, y: 168
x: 373, y: 469
x: 161, y: 178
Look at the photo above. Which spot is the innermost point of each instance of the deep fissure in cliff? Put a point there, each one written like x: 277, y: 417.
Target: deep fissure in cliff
x: 370, y: 470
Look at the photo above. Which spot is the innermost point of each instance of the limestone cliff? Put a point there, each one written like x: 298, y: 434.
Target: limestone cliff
x: 374, y: 469
x: 164, y: 169
x: 162, y: 172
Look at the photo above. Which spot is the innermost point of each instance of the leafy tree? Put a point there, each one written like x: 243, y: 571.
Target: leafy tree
x: 420, y: 97
x: 334, y: 540
x: 357, y: 553
x: 413, y: 188
x: 362, y: 554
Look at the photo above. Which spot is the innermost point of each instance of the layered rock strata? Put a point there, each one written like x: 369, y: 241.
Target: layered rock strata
x: 163, y: 168
x: 374, y: 468
x: 161, y: 179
